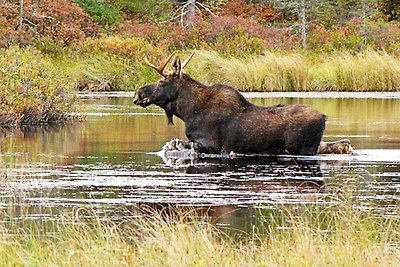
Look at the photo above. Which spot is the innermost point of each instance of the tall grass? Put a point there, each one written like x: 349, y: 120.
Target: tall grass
x: 269, y: 72
x: 320, y: 237
x: 366, y: 71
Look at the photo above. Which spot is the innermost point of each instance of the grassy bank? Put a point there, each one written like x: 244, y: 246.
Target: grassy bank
x: 342, y: 71
x: 38, y: 84
x: 321, y: 237
x: 114, y: 63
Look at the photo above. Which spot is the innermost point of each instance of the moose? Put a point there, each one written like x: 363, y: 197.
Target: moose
x: 219, y: 120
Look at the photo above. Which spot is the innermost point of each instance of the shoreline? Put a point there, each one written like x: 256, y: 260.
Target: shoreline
x: 376, y: 95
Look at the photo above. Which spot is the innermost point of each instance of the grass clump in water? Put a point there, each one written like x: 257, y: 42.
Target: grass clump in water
x: 320, y: 237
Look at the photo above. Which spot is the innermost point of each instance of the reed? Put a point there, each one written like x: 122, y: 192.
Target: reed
x: 366, y: 71
x: 342, y: 71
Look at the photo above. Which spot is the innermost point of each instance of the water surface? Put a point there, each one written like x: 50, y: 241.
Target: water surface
x: 107, y: 163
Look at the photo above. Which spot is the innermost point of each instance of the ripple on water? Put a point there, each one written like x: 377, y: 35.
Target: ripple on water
x: 229, y: 182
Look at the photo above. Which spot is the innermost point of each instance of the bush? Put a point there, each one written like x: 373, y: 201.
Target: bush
x: 106, y: 15
x: 32, y: 89
x: 146, y: 10
x: 109, y: 63
x: 228, y: 35
x: 258, y: 11
x: 61, y: 21
x: 356, y: 35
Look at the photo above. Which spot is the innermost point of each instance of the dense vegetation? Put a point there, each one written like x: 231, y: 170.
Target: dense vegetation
x: 329, y: 236
x: 254, y: 45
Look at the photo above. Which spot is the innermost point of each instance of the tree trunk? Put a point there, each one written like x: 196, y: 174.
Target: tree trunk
x: 191, y: 13
x: 21, y: 15
x: 303, y: 23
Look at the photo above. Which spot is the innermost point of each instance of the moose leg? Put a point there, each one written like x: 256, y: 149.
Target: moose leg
x: 185, y: 149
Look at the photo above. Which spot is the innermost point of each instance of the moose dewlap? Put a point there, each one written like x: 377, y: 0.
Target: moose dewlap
x: 220, y: 120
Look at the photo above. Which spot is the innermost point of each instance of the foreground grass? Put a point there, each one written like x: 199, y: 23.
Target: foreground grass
x: 328, y: 237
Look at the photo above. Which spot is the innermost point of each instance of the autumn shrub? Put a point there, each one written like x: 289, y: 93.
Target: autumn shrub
x: 384, y: 36
x: 32, y: 89
x: 225, y: 34
x: 109, y: 63
x: 356, y: 35
x: 61, y: 21
x: 247, y: 33
x: 261, y: 12
x: 131, y: 48
x: 337, y: 37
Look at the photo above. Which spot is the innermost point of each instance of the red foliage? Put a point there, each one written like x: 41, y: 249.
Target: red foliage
x: 211, y: 31
x: 61, y: 21
x: 259, y: 11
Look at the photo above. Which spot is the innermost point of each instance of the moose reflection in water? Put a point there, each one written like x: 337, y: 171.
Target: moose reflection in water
x: 218, y: 119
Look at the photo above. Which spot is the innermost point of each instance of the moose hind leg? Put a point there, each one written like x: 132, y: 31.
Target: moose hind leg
x: 307, y: 140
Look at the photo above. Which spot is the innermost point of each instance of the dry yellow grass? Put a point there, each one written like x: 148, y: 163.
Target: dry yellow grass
x: 366, y: 71
x: 331, y: 237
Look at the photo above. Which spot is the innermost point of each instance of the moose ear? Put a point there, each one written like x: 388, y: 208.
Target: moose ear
x: 177, y: 66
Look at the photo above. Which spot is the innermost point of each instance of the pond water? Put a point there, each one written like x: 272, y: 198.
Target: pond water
x: 107, y: 163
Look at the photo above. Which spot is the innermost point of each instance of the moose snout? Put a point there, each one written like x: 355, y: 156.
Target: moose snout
x: 136, y: 99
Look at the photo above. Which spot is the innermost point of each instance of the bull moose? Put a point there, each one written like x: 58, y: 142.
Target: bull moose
x: 218, y: 119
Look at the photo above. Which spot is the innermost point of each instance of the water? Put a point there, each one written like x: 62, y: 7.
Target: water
x: 108, y: 163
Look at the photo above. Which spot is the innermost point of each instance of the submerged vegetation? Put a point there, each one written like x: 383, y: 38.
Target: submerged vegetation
x: 333, y: 235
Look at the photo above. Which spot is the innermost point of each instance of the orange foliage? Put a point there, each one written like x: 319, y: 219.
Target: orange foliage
x: 260, y: 12
x: 61, y: 21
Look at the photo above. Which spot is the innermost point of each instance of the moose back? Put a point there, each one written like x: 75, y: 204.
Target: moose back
x: 220, y: 120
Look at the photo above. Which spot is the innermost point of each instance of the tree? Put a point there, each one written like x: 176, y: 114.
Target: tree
x: 391, y: 8
x: 186, y: 12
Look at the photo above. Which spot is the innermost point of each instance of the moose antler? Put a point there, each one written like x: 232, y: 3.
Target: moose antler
x: 160, y: 68
x: 187, y: 60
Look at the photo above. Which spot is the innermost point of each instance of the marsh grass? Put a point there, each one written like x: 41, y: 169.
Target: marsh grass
x: 342, y: 71
x: 367, y: 71
x: 330, y: 236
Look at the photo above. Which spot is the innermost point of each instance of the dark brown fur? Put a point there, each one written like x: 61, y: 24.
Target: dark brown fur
x: 220, y: 120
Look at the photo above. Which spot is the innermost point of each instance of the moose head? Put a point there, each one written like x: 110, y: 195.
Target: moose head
x: 165, y: 90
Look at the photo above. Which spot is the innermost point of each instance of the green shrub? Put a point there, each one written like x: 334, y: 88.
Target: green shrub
x: 101, y: 12
x: 146, y: 10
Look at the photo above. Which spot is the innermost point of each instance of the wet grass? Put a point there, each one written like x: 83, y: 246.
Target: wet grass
x: 330, y: 236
